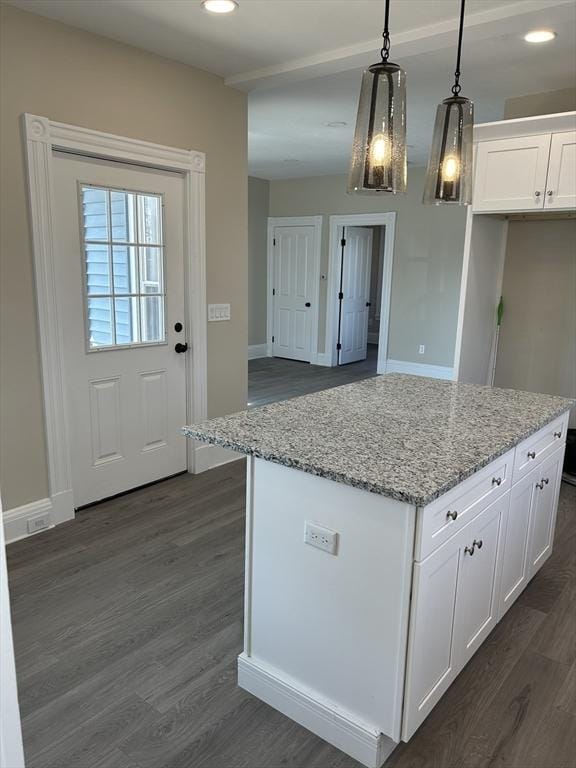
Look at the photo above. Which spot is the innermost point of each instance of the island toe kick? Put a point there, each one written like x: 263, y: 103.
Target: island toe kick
x: 360, y: 610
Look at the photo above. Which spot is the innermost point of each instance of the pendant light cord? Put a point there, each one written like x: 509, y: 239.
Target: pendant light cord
x: 385, y: 50
x: 456, y: 88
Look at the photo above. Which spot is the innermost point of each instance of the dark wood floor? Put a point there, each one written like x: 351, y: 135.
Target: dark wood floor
x: 272, y: 378
x: 128, y: 620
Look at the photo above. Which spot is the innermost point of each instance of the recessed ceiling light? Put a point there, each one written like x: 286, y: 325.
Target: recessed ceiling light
x: 540, y: 36
x: 220, y: 6
x: 336, y: 124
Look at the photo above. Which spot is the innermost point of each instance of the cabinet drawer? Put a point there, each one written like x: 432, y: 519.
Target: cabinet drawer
x: 447, y: 515
x: 538, y: 446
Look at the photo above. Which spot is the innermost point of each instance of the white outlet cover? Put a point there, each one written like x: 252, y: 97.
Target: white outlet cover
x: 321, y: 538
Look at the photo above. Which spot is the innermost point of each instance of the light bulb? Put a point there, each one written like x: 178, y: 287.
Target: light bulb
x: 220, y: 6
x: 450, y: 168
x: 540, y: 36
x: 379, y: 150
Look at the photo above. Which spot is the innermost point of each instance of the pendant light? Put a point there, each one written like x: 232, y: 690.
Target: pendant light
x: 449, y: 175
x: 379, y: 150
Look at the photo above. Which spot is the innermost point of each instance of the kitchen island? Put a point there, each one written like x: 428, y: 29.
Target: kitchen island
x: 390, y: 524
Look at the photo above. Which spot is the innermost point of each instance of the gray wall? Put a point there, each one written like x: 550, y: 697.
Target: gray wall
x: 258, y: 199
x: 537, y: 348
x: 72, y: 76
x: 540, y: 104
x: 427, y: 258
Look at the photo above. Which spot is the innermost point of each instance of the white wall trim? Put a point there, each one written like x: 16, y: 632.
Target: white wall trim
x: 419, y: 369
x: 257, y: 350
x: 294, y: 221
x: 209, y: 456
x: 42, y: 136
x: 322, y: 358
x: 57, y: 510
x: 336, y: 223
x: 525, y: 126
x: 357, y: 739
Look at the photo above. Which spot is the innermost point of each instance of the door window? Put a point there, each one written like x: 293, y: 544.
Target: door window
x: 123, y: 253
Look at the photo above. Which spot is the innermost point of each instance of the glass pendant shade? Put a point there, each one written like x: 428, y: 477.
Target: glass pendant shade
x: 379, y: 150
x: 449, y: 175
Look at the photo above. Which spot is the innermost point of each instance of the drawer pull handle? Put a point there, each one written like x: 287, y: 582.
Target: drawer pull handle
x: 496, y: 481
x: 558, y: 434
x: 451, y: 515
x: 469, y: 550
x: 477, y: 543
x: 531, y: 454
x: 543, y: 482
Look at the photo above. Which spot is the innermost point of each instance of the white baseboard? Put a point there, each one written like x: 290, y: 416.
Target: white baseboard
x: 357, y: 739
x: 53, y: 511
x: 322, y: 358
x: 257, y: 350
x: 209, y: 456
x: 419, y: 369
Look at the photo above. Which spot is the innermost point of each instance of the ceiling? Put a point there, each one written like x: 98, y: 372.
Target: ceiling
x: 301, y: 60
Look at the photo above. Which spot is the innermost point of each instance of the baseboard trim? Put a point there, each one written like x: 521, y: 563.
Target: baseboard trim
x: 322, y: 358
x: 55, y: 510
x: 257, y: 350
x: 357, y: 739
x: 419, y: 369
x: 209, y: 456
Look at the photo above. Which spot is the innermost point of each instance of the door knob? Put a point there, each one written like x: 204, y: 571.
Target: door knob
x: 307, y: 304
x: 181, y: 348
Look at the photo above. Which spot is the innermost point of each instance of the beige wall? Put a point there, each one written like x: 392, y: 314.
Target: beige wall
x: 258, y: 198
x: 75, y: 77
x: 537, y: 348
x: 427, y: 258
x: 540, y: 104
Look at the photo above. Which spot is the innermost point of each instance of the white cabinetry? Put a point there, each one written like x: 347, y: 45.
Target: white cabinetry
x: 526, y: 173
x: 543, y: 511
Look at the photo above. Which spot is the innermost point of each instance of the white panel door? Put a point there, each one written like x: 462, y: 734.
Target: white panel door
x: 510, y: 174
x: 294, y: 292
x: 355, y: 292
x: 544, y: 508
x: 561, y: 184
x: 120, y: 268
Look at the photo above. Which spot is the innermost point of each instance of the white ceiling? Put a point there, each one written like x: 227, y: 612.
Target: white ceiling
x: 301, y: 61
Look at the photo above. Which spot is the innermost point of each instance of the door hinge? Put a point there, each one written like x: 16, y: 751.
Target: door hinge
x: 273, y: 291
x: 343, y: 242
x: 274, y: 241
x: 340, y: 295
x: 272, y: 339
x: 338, y: 347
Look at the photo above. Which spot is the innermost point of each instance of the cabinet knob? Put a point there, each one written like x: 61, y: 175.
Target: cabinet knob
x: 496, y: 481
x: 550, y: 193
x: 531, y: 454
x: 469, y: 550
x: 543, y: 482
x: 477, y: 543
x: 558, y: 434
x: 537, y: 193
x: 451, y: 515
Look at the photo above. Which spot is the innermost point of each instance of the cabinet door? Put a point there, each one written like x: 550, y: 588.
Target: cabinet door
x: 515, y: 531
x: 544, y: 508
x: 430, y: 664
x: 511, y: 174
x: 561, y: 183
x: 477, y: 596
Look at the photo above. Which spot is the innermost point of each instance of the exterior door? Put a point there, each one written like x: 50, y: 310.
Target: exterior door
x: 293, y: 292
x: 354, y: 294
x: 120, y: 283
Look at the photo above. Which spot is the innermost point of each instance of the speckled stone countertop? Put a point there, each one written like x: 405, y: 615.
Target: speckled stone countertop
x: 407, y: 437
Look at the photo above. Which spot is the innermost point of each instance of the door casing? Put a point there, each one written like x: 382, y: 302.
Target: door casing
x: 42, y: 136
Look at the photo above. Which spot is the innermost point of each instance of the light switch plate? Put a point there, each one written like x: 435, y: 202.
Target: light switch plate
x: 322, y: 538
x: 218, y: 312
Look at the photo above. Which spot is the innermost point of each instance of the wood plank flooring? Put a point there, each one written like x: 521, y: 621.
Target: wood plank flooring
x: 128, y: 621
x: 272, y: 378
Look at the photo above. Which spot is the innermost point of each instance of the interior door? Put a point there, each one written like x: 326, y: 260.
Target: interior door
x: 293, y: 292
x: 354, y: 294
x: 120, y: 270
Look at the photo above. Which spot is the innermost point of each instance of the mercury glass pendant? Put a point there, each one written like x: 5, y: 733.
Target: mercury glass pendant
x: 379, y: 151
x: 449, y: 174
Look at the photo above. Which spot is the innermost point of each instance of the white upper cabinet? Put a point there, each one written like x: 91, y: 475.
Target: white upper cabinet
x: 511, y: 174
x: 561, y: 183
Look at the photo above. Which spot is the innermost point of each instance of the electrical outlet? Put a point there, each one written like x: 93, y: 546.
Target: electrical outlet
x: 421, y: 349
x: 38, y: 523
x: 322, y: 538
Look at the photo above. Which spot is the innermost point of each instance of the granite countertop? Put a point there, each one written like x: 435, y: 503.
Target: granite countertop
x: 407, y: 437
